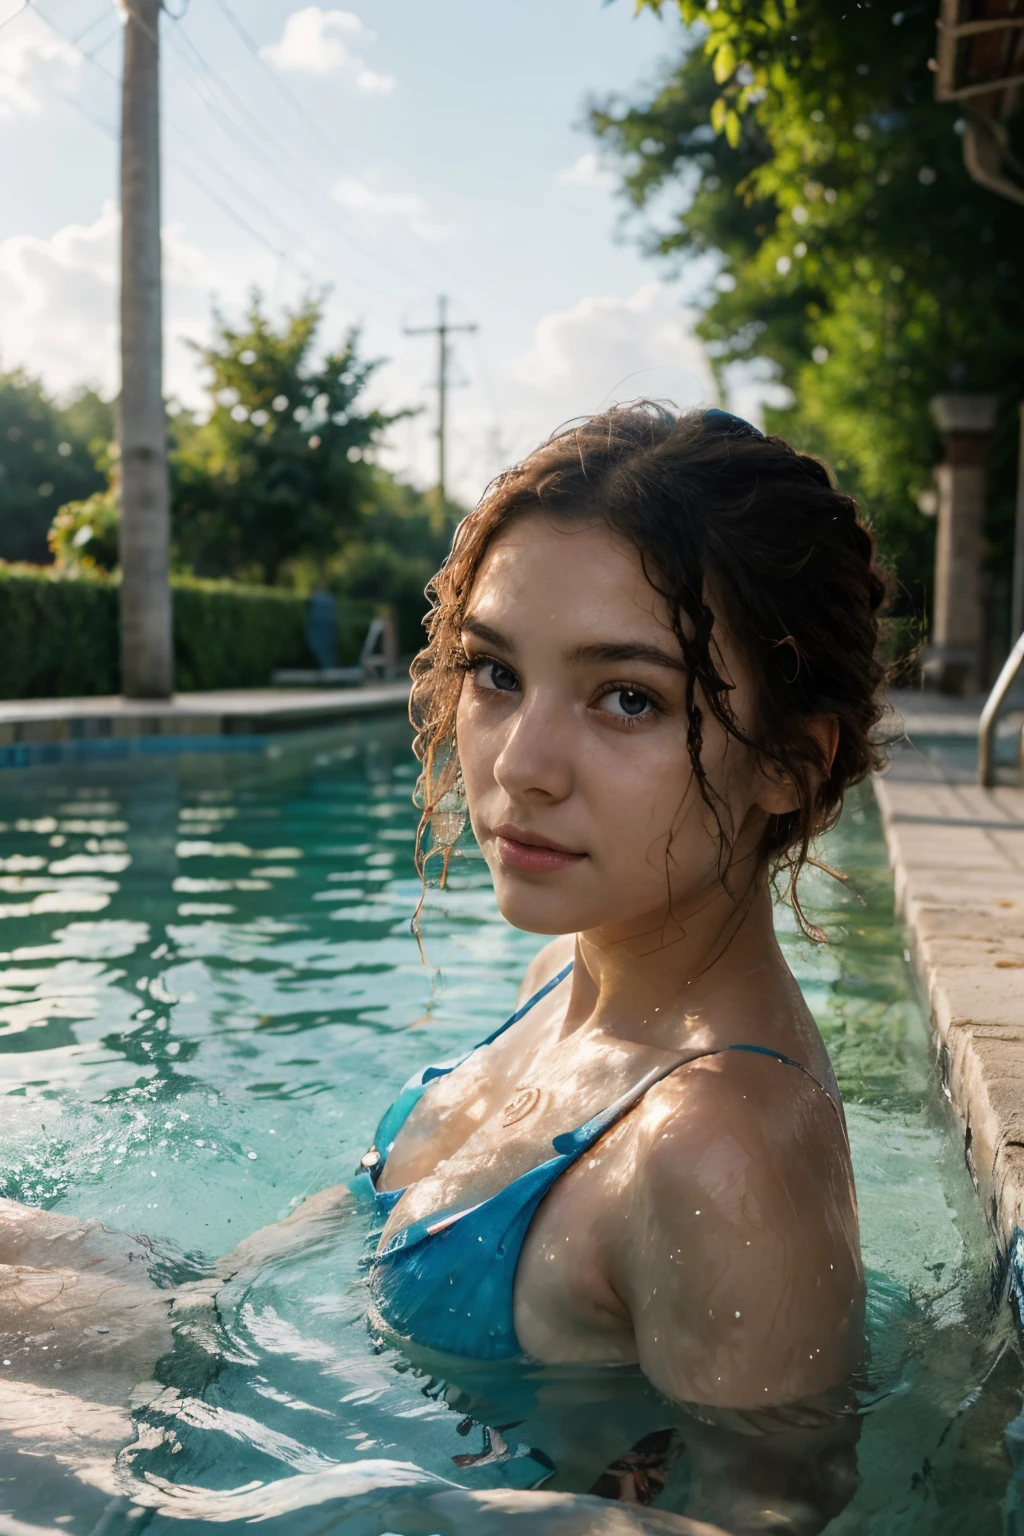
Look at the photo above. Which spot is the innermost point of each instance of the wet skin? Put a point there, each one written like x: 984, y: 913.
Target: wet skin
x: 711, y: 1235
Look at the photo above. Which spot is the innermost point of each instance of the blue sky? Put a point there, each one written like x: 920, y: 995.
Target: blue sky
x: 426, y: 148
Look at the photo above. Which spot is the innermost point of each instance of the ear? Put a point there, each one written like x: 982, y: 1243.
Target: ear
x: 777, y: 793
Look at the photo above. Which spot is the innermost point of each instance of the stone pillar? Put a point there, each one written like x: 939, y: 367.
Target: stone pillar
x: 965, y: 422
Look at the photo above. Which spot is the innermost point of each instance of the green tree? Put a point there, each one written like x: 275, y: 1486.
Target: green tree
x: 48, y: 455
x: 280, y: 467
x: 855, y: 252
x: 400, y: 543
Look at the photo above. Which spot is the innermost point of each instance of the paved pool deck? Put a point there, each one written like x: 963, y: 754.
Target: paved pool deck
x: 226, y: 712
x: 957, y: 853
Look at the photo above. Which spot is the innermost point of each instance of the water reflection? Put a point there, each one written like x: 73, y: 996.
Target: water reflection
x: 208, y: 994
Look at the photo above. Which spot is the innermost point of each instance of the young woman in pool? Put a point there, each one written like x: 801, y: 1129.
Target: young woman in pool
x: 650, y: 677
x: 651, y: 674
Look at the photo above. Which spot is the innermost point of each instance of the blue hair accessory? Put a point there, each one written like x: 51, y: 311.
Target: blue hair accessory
x: 726, y: 422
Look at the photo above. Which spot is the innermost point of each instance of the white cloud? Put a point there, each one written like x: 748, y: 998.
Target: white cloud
x: 59, y: 302
x: 25, y: 58
x: 373, y: 84
x: 317, y: 42
x: 372, y: 201
x: 587, y: 171
x: 604, y: 349
x: 607, y: 349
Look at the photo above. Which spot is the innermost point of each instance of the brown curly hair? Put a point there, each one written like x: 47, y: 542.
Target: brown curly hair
x: 708, y: 501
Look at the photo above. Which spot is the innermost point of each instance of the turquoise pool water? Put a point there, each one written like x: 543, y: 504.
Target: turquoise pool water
x: 208, y: 994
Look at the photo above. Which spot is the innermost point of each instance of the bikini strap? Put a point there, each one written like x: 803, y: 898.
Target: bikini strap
x: 443, y: 1068
x: 372, y: 1162
x: 573, y: 1144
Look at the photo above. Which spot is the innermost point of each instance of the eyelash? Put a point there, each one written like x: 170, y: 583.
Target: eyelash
x: 630, y: 722
x: 475, y: 664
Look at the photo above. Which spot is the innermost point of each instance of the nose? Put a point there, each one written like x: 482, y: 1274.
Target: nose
x: 535, y: 762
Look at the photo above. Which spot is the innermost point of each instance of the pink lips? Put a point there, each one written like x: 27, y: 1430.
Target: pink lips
x: 531, y: 853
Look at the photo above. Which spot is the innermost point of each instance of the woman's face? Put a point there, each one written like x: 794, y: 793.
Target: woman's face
x: 572, y: 739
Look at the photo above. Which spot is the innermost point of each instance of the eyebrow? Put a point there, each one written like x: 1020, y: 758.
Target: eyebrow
x: 624, y: 650
x: 627, y: 650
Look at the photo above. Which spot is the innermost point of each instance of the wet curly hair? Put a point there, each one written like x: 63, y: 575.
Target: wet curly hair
x: 712, y: 505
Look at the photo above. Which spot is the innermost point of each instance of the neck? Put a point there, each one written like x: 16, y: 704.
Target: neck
x: 623, y: 978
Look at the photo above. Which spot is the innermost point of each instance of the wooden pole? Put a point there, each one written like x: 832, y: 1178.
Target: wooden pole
x: 147, y: 660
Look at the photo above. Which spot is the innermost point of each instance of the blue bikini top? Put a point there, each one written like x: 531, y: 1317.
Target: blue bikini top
x: 446, y: 1281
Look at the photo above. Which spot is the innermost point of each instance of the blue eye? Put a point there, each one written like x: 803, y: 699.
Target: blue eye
x: 627, y: 703
x: 494, y: 675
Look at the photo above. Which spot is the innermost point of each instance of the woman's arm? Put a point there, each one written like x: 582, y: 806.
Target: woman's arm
x: 740, y: 1266
x: 743, y: 1277
x: 310, y: 1222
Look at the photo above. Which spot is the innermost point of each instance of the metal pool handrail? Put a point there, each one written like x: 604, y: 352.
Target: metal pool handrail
x: 993, y: 704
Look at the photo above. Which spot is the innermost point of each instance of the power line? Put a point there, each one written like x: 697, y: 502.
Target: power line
x: 295, y: 168
x: 245, y: 193
x: 293, y: 176
x: 442, y: 330
x: 8, y: 19
x: 104, y: 15
x: 283, y: 90
x: 183, y: 169
x: 106, y: 128
x: 288, y: 178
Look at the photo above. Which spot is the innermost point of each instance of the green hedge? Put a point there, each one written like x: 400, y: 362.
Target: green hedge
x: 59, y: 636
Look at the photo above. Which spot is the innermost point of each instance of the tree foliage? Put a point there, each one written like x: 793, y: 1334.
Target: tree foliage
x: 83, y: 536
x: 276, y: 483
x: 48, y: 456
x: 278, y: 469
x: 402, y: 539
x: 855, y: 252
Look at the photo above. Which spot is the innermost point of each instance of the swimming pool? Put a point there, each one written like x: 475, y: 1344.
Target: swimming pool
x: 208, y: 994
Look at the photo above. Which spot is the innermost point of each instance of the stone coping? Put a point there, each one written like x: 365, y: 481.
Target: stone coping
x: 225, y: 712
x: 957, y: 853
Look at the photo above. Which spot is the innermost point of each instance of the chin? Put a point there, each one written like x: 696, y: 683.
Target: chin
x: 534, y: 910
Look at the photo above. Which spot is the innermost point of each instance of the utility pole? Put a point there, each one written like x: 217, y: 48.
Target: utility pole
x: 442, y: 330
x: 147, y: 657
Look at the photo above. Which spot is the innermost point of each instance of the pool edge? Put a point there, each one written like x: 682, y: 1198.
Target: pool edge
x: 957, y: 855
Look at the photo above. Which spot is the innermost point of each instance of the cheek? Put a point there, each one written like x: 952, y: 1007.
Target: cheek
x: 477, y: 741
x: 658, y: 819
x: 641, y: 798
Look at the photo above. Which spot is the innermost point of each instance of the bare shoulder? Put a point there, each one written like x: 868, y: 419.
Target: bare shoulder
x: 749, y: 1098
x: 750, y: 1255
x: 547, y: 962
x: 745, y: 1127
